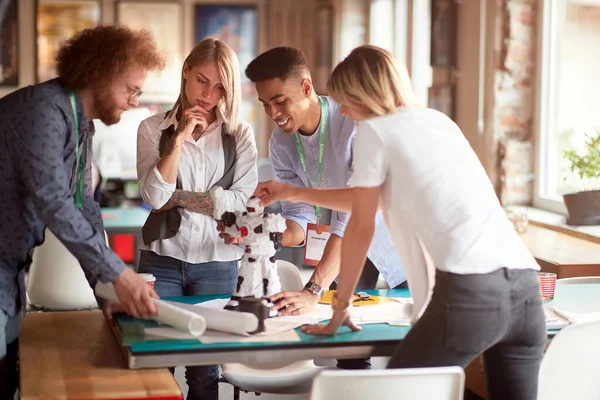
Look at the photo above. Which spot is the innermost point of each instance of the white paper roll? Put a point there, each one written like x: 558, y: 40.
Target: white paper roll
x: 167, y: 313
x: 238, y: 323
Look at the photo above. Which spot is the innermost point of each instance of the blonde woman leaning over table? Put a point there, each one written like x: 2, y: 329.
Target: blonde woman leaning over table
x: 197, y: 146
x: 439, y: 205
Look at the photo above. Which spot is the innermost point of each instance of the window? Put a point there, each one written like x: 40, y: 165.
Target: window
x: 381, y: 24
x: 403, y: 27
x: 569, y: 83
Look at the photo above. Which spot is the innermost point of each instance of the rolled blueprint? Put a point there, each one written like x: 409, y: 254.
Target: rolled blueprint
x: 167, y: 312
x: 236, y: 322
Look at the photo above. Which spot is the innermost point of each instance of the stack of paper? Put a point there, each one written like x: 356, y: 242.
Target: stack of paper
x: 575, y: 317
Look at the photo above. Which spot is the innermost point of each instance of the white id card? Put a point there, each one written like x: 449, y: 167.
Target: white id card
x: 316, y: 239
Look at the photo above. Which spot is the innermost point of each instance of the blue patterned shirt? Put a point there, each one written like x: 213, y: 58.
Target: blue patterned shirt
x: 37, y: 171
x: 337, y: 170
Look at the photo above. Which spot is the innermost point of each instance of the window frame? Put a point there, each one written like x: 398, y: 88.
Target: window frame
x: 411, y: 41
x: 543, y: 122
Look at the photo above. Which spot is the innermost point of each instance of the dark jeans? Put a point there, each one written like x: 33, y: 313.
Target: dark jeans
x: 179, y: 278
x: 9, y: 346
x: 498, y: 315
x: 368, y: 280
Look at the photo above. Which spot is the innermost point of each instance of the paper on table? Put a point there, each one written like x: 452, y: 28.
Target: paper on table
x: 391, y: 313
x: 575, y: 317
x: 394, y: 313
x: 162, y: 333
x: 274, y: 327
x: 239, y: 323
x: 321, y: 312
x: 289, y: 335
x: 279, y: 323
x: 179, y: 318
x: 282, y: 328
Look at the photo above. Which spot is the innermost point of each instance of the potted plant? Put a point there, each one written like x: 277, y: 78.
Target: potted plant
x: 583, y: 206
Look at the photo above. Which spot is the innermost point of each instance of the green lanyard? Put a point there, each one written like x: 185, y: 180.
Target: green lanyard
x: 79, y: 158
x: 322, y: 137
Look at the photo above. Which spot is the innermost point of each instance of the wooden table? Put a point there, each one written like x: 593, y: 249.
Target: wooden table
x: 73, y: 355
x: 565, y: 255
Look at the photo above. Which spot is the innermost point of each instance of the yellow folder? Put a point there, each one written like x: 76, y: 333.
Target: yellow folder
x: 360, y: 299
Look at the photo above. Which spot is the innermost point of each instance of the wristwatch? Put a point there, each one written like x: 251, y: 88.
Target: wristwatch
x: 339, y: 305
x: 314, y: 288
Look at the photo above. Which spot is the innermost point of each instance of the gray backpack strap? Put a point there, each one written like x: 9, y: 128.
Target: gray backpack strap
x: 230, y: 155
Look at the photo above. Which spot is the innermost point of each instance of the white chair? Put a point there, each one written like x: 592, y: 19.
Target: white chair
x: 578, y: 279
x: 56, y: 280
x: 570, y: 367
x: 289, y: 276
x: 275, y: 377
x: 439, y: 383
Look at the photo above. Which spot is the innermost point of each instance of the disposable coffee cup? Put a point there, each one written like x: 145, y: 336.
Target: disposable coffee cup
x: 149, y: 278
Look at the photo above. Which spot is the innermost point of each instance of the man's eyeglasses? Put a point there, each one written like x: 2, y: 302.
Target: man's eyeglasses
x: 134, y: 92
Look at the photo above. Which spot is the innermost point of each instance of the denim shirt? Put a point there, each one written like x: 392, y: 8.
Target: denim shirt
x: 37, y: 187
x: 337, y: 171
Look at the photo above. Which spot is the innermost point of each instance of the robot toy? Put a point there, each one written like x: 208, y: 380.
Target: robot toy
x: 261, y: 233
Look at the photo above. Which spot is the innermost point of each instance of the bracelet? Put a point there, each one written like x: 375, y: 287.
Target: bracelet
x: 338, y: 304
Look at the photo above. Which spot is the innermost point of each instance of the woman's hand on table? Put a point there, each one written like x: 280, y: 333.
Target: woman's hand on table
x: 339, y: 318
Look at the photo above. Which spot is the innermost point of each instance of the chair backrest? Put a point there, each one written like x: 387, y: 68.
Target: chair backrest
x: 571, y: 364
x: 289, y: 276
x: 56, y: 280
x: 578, y: 279
x: 439, y: 383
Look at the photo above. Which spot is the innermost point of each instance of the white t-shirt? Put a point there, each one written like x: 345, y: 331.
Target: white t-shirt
x: 436, y: 196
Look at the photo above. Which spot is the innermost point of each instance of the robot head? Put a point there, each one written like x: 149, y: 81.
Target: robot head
x: 253, y: 206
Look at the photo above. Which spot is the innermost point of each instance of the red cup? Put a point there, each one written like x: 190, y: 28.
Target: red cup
x: 149, y: 278
x: 547, y: 285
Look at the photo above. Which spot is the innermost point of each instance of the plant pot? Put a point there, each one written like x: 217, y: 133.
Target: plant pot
x: 583, y: 207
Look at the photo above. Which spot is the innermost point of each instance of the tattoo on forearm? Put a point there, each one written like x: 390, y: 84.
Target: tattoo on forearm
x: 195, y: 201
x: 171, y: 145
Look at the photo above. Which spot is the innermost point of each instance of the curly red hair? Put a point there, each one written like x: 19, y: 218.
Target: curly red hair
x: 100, y: 55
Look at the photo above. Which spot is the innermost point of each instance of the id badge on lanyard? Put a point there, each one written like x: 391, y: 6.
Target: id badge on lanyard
x: 316, y: 234
x: 315, y: 242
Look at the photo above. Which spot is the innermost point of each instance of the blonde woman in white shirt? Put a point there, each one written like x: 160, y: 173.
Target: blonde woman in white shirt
x: 175, y: 176
x: 444, y: 218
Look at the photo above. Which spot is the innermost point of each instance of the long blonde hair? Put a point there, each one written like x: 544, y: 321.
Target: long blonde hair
x: 372, y: 77
x: 215, y: 50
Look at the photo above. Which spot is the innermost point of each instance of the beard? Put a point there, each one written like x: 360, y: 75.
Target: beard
x: 108, y: 111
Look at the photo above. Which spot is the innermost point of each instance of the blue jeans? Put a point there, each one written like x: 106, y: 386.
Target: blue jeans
x: 9, y: 345
x: 178, y: 278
